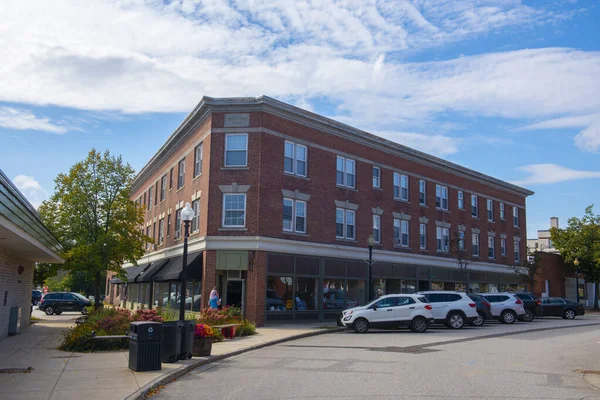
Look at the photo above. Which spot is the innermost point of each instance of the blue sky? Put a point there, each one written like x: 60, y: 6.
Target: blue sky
x: 509, y: 88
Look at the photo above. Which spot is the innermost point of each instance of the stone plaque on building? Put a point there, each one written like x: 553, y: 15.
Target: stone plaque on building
x: 237, y: 120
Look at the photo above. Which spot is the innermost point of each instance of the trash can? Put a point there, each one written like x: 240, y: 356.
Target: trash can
x: 187, y: 339
x: 144, y: 346
x: 170, y: 345
x: 14, y: 320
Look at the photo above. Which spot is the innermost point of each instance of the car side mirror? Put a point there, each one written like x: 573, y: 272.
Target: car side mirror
x: 374, y: 307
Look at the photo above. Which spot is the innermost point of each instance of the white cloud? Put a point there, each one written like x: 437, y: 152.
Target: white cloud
x: 551, y: 173
x: 589, y: 138
x: 31, y: 189
x: 15, y: 118
x: 438, y: 145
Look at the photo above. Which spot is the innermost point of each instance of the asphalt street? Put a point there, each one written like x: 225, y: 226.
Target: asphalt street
x: 537, y: 360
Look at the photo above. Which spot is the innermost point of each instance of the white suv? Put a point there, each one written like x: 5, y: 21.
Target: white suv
x: 506, y: 307
x: 453, y: 309
x: 390, y: 311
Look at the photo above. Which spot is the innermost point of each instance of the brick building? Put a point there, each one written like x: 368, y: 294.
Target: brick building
x: 285, y: 202
x: 24, y: 240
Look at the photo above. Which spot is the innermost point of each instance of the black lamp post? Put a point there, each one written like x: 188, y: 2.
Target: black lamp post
x: 576, y: 263
x: 186, y: 216
x: 370, y: 243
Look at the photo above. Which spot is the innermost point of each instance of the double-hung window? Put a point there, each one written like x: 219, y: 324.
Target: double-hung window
x: 400, y: 186
x: 156, y: 193
x: 181, y: 174
x: 422, y: 236
x: 161, y: 231
x: 377, y: 228
x: 236, y: 150
x: 178, y: 224
x: 441, y: 197
x: 400, y: 232
x: 422, y: 192
x: 461, y: 240
x: 516, y: 217
x: 168, y: 225
x: 163, y: 187
x: 475, y: 243
x: 442, y: 239
x: 461, y: 200
x: 503, y: 247
x: 376, y: 177
x: 295, y: 159
x: 148, y: 244
x: 502, y: 214
x: 198, y: 160
x: 490, y: 209
x: 171, y: 179
x: 196, y: 217
x: 294, y: 215
x: 344, y: 224
x: 517, y: 251
x: 234, y: 210
x: 150, y: 191
x: 491, y: 247
x: 474, y: 206
x: 346, y: 172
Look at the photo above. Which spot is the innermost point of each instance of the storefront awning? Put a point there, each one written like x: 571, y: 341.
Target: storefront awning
x: 154, y: 268
x: 131, y: 273
x: 172, y: 270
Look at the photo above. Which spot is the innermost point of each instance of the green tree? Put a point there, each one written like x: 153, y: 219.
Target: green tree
x: 93, y: 217
x: 580, y: 241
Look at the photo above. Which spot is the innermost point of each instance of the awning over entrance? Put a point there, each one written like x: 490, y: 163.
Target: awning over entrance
x: 132, y: 273
x: 172, y: 270
x: 154, y: 268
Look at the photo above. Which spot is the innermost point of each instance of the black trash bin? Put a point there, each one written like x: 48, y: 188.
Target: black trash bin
x: 187, y: 339
x: 144, y: 346
x: 170, y: 346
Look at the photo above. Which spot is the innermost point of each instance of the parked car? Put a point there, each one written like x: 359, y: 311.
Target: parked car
x: 56, y: 303
x: 453, y: 309
x: 506, y: 307
x: 531, y: 304
x: 559, y: 307
x: 484, y: 309
x: 36, y: 296
x: 390, y: 311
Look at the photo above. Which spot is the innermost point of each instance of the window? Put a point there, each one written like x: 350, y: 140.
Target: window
x: 422, y: 192
x: 502, y: 215
x: 148, y: 234
x: 404, y: 233
x: 181, y: 174
x: 475, y: 241
x: 294, y: 215
x: 377, y: 228
x: 346, y: 173
x: 163, y: 187
x: 490, y: 210
x: 517, y: 251
x: 344, y: 224
x: 154, y: 232
x: 503, y: 247
x: 178, y: 224
x: 150, y: 199
x: 171, y: 179
x: 156, y: 193
x: 461, y: 200
x: 236, y: 150
x: 400, y: 186
x: 196, y: 217
x: 294, y: 159
x: 144, y: 198
x: 198, y: 160
x: 168, y: 225
x: 423, y: 236
x: 461, y: 240
x: 234, y: 210
x: 515, y: 217
x: 376, y: 177
x: 161, y: 231
x: 441, y: 197
x: 474, y: 206
x: 491, y: 245
x: 442, y: 238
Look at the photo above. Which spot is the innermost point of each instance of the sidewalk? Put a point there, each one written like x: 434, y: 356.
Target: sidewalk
x: 64, y: 375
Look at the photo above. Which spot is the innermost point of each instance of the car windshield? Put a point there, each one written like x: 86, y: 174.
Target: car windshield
x: 79, y: 296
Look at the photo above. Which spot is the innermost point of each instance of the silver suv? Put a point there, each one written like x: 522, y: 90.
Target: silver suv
x: 506, y: 307
x: 453, y: 309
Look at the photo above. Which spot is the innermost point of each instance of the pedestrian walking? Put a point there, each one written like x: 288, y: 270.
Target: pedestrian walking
x: 214, y: 298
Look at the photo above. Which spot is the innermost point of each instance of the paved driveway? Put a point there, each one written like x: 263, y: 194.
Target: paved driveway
x: 493, y: 362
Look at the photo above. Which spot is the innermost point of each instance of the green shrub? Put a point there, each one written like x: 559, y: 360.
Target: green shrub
x: 214, y: 316
x: 168, y: 313
x: 248, y: 328
x: 80, y: 339
x: 217, y: 335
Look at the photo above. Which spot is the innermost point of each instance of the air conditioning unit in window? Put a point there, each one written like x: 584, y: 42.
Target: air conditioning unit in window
x: 397, y: 242
x: 234, y: 274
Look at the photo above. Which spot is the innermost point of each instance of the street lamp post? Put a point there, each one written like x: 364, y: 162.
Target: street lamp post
x: 186, y: 216
x: 370, y: 243
x: 576, y: 263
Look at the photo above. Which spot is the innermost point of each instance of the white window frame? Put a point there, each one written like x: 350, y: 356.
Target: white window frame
x: 295, y: 160
x: 475, y: 242
x: 163, y: 187
x: 161, y: 231
x: 345, y: 214
x: 344, y: 171
x: 401, y: 184
x: 502, y: 212
x: 442, y: 239
x: 404, y: 233
x: 422, y: 192
x: 461, y: 240
x: 198, y: 150
x: 461, y: 200
x: 441, y: 197
x: 294, y: 221
x: 377, y: 228
x: 503, y: 247
x: 491, y: 247
x: 517, y: 251
x: 515, y: 216
x: 474, y: 207
x: 227, y: 136
x: 178, y: 224
x: 490, y: 209
x: 181, y: 173
x: 150, y: 200
x: 225, y: 195
x: 196, y: 217
x: 148, y: 244
x: 377, y: 179
x: 423, y: 236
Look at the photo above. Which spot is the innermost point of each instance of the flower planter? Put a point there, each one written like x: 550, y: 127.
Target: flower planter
x: 202, y: 346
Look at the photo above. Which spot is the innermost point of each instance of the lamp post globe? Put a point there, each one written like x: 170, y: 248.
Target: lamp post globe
x: 187, y: 214
x: 576, y: 263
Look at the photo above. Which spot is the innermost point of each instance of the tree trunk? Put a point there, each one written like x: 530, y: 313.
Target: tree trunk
x: 96, y: 290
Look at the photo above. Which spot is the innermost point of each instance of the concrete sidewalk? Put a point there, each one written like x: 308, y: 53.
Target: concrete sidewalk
x: 105, y: 375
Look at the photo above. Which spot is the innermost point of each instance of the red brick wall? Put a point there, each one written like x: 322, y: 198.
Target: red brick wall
x: 555, y: 271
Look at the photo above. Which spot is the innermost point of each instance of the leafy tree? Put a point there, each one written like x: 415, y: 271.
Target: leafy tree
x: 93, y: 217
x: 581, y: 241
x: 43, y: 272
x: 458, y: 249
x: 531, y: 268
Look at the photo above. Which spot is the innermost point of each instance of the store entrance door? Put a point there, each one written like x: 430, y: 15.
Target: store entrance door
x: 235, y: 294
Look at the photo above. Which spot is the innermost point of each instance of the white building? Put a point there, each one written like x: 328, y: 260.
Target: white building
x: 543, y: 241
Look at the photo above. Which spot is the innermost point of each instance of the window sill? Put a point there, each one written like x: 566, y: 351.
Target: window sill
x: 402, y: 247
x: 491, y: 220
x: 240, y: 168
x: 442, y: 210
x: 377, y: 188
x: 346, y: 240
x: 492, y: 258
x: 423, y: 205
x: 475, y: 256
x: 292, y: 175
x: 347, y: 188
x: 180, y: 189
x: 304, y: 234
x: 233, y: 229
x: 162, y: 201
x: 402, y: 201
x: 474, y: 217
x: 195, y: 233
x: 442, y: 252
x: 197, y: 176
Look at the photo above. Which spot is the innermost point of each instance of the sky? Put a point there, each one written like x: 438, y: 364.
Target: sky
x: 508, y: 88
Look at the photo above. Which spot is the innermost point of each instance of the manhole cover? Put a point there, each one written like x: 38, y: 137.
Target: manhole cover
x: 15, y: 370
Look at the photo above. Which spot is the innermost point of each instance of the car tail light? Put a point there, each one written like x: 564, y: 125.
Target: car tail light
x: 41, y: 300
x: 486, y: 304
x: 428, y: 307
x: 537, y: 302
x: 473, y: 305
x: 519, y: 301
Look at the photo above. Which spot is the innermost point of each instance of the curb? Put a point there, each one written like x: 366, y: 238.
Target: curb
x: 141, y: 393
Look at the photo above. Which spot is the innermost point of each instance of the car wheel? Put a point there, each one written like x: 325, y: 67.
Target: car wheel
x: 508, y: 317
x: 418, y: 325
x: 569, y: 314
x: 361, y: 325
x: 479, y: 321
x: 528, y: 317
x: 49, y: 310
x: 455, y: 321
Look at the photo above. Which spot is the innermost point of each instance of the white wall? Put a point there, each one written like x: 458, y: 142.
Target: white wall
x: 15, y: 288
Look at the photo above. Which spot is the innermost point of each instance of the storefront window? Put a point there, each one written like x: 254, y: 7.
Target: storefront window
x: 409, y: 287
x: 174, y: 295
x: 394, y: 286
x: 460, y: 287
x: 279, y: 293
x: 449, y: 286
x: 474, y: 288
x: 197, y: 295
x: 161, y: 296
x: 484, y: 288
x: 493, y: 288
x: 355, y: 293
x: 334, y: 294
x: 437, y: 285
x: 134, y: 291
x: 306, y: 293
x: 379, y: 287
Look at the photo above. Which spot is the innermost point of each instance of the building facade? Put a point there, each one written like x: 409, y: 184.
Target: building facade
x: 285, y: 201
x: 24, y: 240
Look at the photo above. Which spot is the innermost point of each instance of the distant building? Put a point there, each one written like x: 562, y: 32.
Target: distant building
x: 543, y: 241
